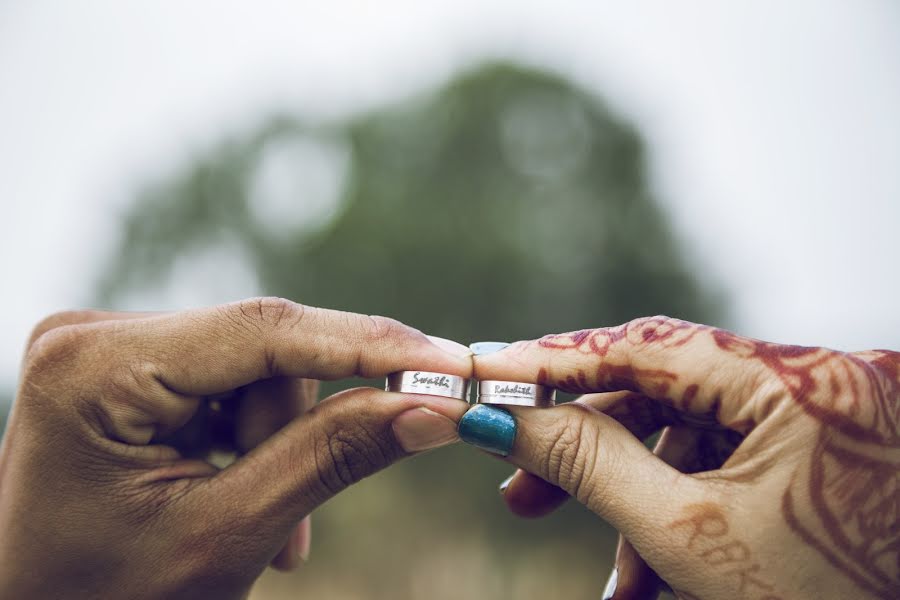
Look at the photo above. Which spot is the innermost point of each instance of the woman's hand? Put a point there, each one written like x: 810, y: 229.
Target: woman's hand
x: 786, y: 478
x: 103, y: 488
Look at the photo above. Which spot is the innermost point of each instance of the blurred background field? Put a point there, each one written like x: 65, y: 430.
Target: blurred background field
x: 479, y: 173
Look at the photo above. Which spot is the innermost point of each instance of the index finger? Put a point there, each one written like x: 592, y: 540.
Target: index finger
x: 216, y: 349
x: 693, y: 368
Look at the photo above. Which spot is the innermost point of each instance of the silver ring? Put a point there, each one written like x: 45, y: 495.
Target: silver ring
x: 515, y: 393
x: 426, y: 382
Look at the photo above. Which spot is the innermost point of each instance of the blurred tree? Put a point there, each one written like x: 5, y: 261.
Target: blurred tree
x: 506, y: 205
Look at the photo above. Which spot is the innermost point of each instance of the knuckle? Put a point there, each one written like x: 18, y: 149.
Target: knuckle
x: 377, y: 328
x: 350, y: 453
x: 647, y: 332
x: 58, y: 347
x: 596, y: 491
x: 572, y: 455
x: 56, y: 320
x: 641, y: 324
x: 60, y: 373
x: 760, y: 387
x: 374, y: 333
x: 269, y: 312
x: 884, y: 367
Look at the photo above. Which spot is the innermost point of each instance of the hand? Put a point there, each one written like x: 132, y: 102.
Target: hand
x: 103, y: 490
x: 795, y: 454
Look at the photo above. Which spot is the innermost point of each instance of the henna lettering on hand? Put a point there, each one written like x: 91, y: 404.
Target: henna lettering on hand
x: 843, y: 500
x: 711, y: 540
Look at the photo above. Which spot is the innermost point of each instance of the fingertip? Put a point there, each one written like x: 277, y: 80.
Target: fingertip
x: 502, y: 360
x: 488, y: 427
x: 420, y: 429
x: 449, y: 346
x: 431, y: 353
x: 484, y: 348
x: 296, y: 549
x: 304, y: 534
x: 449, y: 407
x: 633, y: 576
x: 530, y: 497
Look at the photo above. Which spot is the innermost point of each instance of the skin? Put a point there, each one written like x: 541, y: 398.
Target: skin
x: 777, y: 475
x: 105, y: 490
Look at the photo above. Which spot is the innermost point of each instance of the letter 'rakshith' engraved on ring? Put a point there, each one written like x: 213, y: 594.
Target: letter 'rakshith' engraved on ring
x: 515, y: 393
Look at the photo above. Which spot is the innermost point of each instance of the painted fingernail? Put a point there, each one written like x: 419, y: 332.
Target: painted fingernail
x: 489, y: 428
x: 506, y: 483
x: 421, y: 429
x: 449, y: 346
x: 304, y: 538
x: 482, y: 348
x: 610, y: 590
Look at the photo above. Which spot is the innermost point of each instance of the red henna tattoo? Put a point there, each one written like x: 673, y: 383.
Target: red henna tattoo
x: 853, y: 479
x: 846, y: 503
x: 611, y: 377
x: 854, y: 492
x: 711, y: 541
x: 804, y: 371
x: 660, y: 384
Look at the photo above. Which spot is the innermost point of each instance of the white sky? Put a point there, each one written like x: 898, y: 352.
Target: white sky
x: 774, y: 128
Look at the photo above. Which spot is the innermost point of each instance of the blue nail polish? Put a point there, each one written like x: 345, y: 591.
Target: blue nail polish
x: 489, y: 428
x: 481, y: 348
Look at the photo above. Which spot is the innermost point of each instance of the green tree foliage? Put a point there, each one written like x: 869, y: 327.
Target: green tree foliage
x: 506, y: 205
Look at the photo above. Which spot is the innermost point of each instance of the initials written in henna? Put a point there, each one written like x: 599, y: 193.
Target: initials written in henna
x: 843, y: 500
x: 710, y: 539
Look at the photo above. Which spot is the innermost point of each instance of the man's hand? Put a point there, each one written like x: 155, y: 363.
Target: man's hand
x: 104, y: 490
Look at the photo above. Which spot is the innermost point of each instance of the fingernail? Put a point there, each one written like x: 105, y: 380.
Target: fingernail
x: 304, y: 538
x: 422, y: 429
x: 449, y: 346
x: 489, y: 428
x: 506, y: 483
x: 482, y: 348
x: 610, y: 590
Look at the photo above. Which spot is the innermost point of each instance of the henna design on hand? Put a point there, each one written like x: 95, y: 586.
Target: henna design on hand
x: 853, y: 479
x: 612, y: 377
x: 844, y: 498
x: 831, y: 385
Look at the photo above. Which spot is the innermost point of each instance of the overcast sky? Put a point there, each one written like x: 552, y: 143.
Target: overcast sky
x: 773, y: 127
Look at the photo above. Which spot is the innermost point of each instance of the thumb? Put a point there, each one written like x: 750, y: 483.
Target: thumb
x: 345, y: 438
x: 596, y: 460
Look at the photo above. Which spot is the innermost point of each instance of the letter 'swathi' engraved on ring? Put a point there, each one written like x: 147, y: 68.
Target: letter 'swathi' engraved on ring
x: 515, y: 393
x: 426, y: 382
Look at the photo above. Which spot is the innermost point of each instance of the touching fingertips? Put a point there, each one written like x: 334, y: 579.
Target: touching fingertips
x: 489, y: 428
x: 421, y: 429
x: 450, y: 346
x: 482, y: 348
